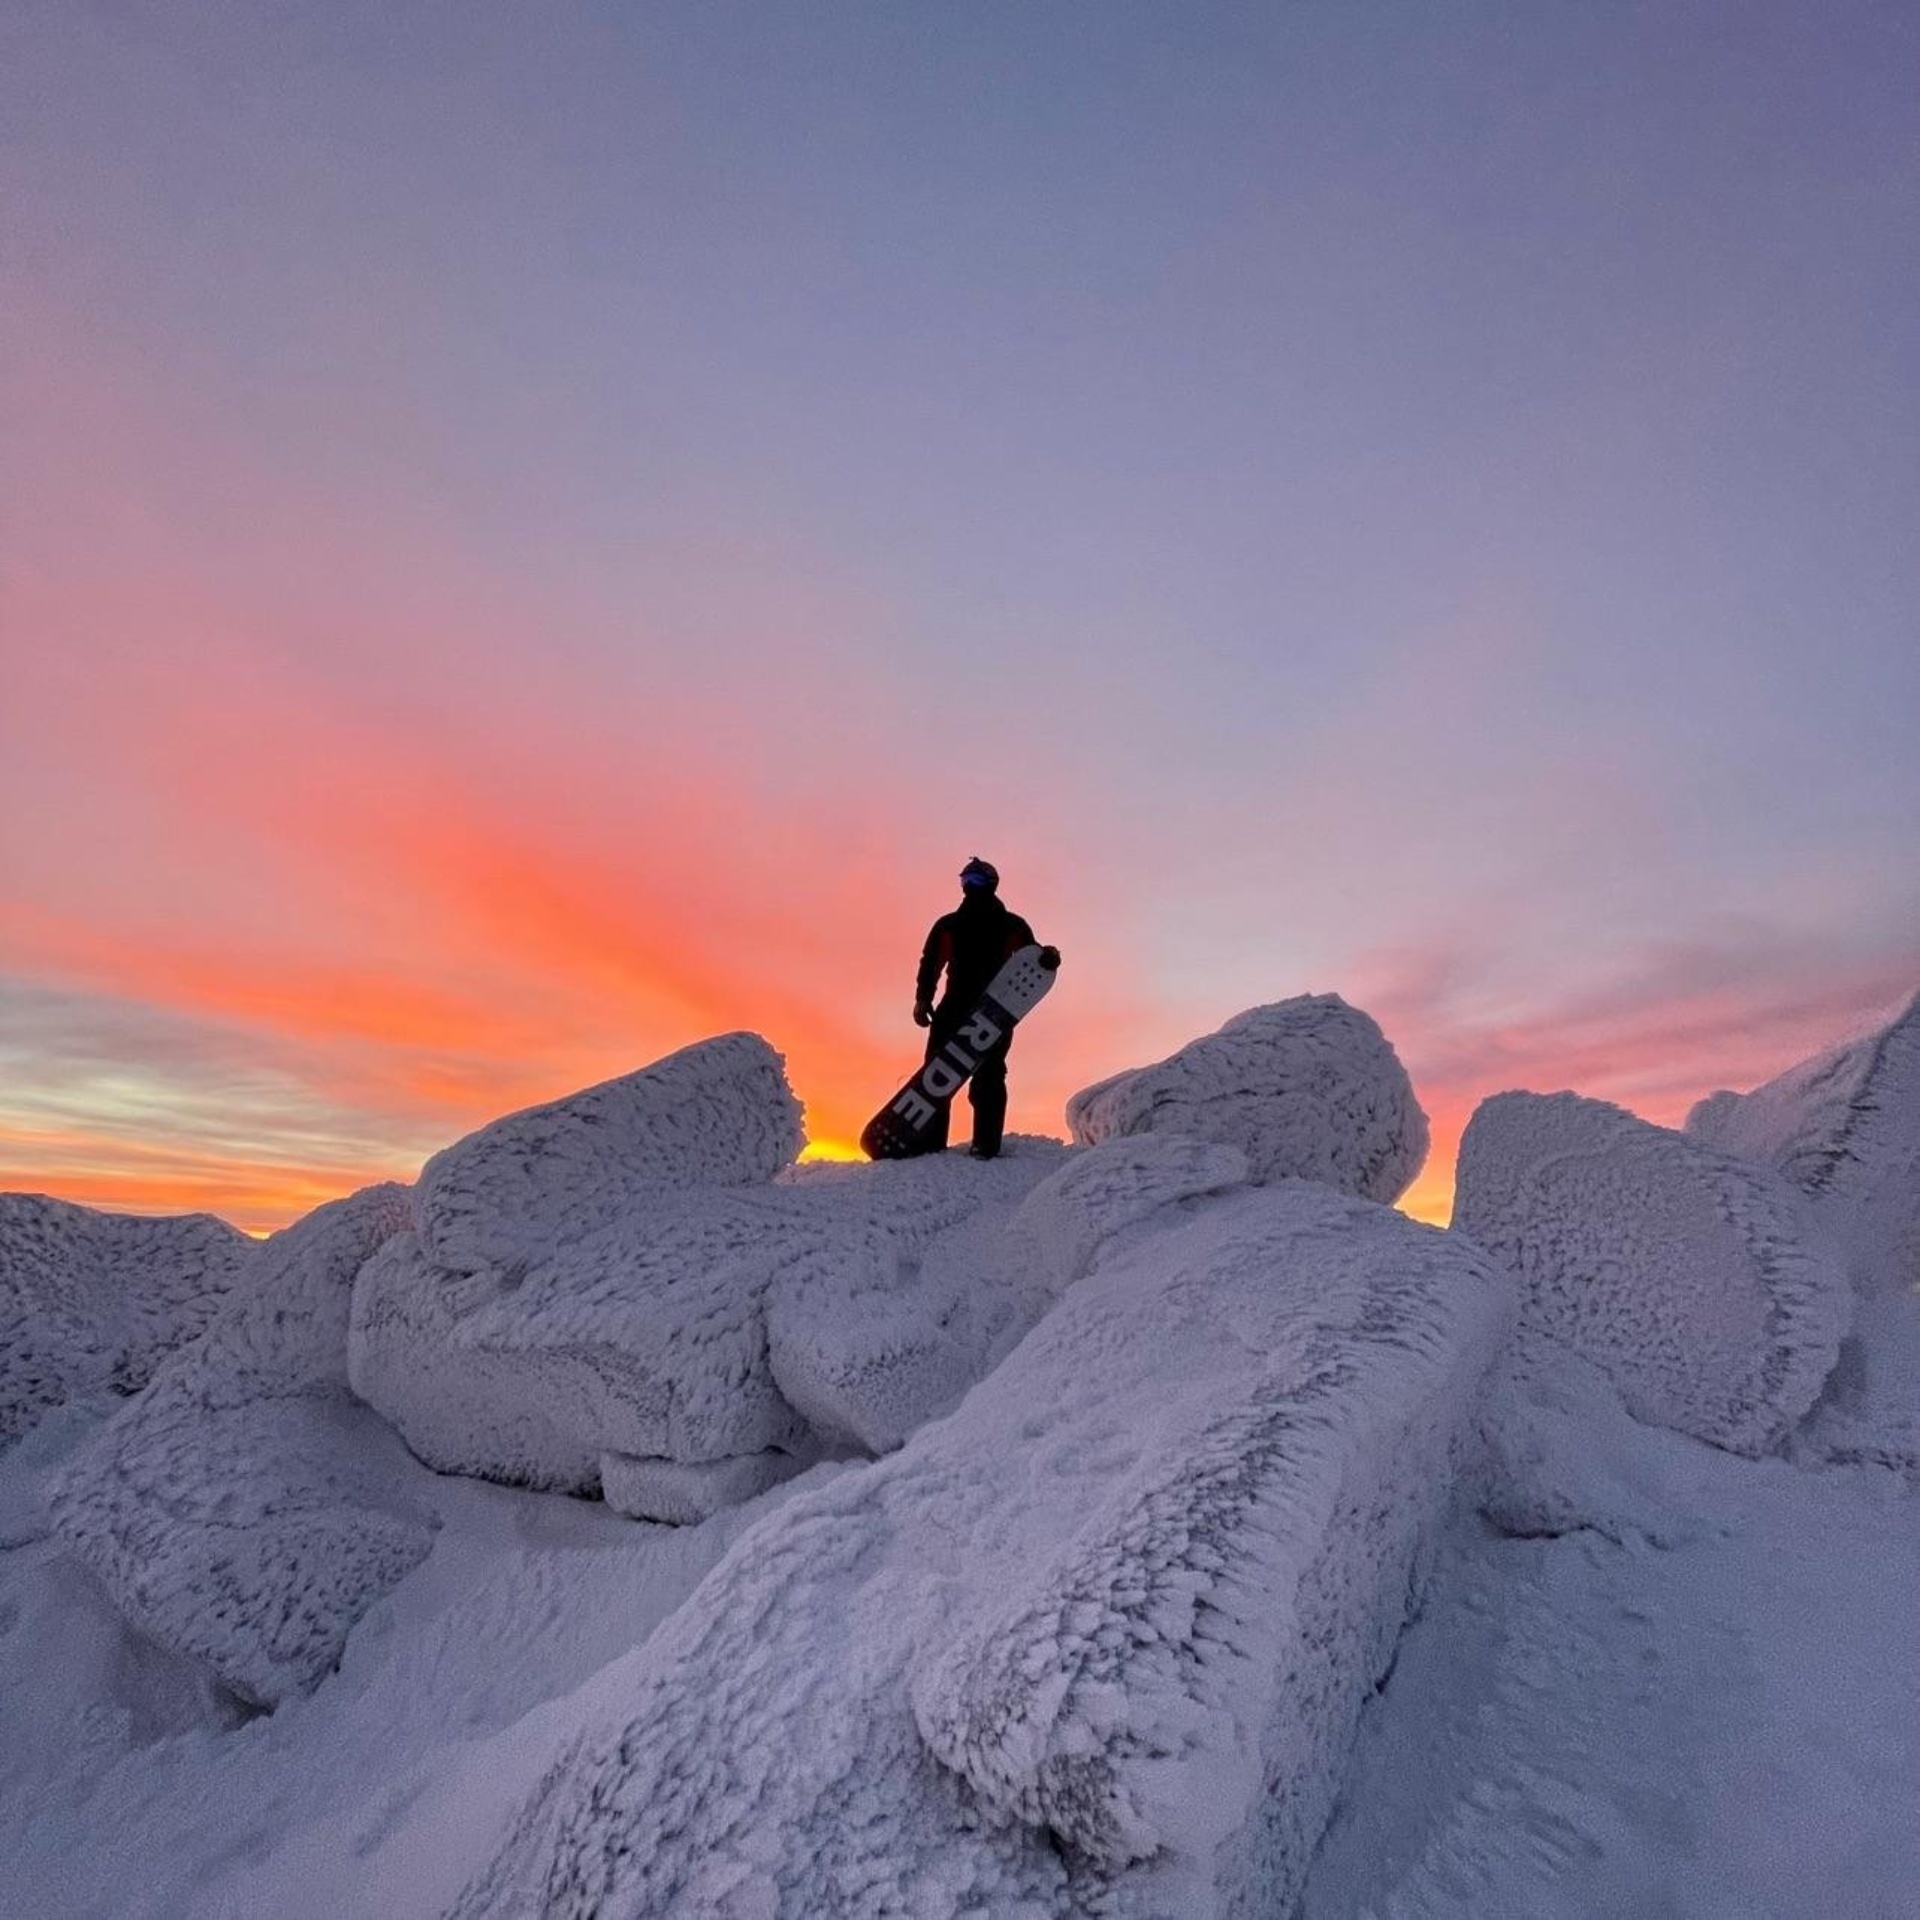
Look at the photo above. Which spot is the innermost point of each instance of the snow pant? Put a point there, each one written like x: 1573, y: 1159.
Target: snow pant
x: 986, y: 1091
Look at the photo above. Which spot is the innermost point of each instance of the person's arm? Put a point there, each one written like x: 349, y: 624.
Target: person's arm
x: 1019, y: 935
x: 934, y: 957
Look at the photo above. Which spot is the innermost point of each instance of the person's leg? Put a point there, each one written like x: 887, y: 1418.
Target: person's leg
x: 987, y: 1092
x: 934, y: 1138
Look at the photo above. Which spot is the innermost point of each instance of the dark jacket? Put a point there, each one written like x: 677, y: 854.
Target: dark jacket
x: 971, y: 944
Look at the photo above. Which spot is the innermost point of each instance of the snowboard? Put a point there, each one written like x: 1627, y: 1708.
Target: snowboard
x: 899, y: 1129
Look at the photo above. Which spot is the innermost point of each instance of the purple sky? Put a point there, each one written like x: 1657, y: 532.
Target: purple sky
x: 530, y: 533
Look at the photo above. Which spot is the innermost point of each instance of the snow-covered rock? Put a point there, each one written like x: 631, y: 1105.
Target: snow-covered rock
x: 1308, y: 1088
x: 696, y: 1327
x: 1097, y: 1641
x: 461, y: 1408
x: 246, y: 1510
x: 716, y: 1114
x: 910, y: 1296
x: 93, y: 1301
x: 1844, y: 1127
x: 862, y: 1353
x: 1065, y: 1222
x: 683, y: 1493
x: 1694, y: 1281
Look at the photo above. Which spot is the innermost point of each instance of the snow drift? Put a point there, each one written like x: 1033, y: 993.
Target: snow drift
x: 1097, y: 1641
x: 245, y: 1510
x: 1692, y: 1280
x: 1307, y: 1088
x: 91, y: 1302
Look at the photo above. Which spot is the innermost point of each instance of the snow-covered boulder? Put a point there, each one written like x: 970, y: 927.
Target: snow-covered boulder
x: 697, y: 1327
x: 906, y: 1295
x: 460, y: 1407
x: 1694, y: 1281
x: 859, y: 1350
x: 1097, y: 1641
x: 1307, y: 1088
x: 1064, y: 1223
x: 246, y: 1510
x: 92, y: 1302
x: 1844, y: 1127
x: 717, y: 1114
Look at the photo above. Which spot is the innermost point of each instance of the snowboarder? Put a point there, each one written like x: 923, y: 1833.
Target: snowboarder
x: 970, y: 945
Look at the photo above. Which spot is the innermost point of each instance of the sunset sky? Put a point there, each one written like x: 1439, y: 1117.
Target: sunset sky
x: 533, y: 534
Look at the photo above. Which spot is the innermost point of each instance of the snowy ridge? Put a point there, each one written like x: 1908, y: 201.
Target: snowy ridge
x: 716, y: 1114
x: 91, y: 1302
x: 1308, y: 1088
x: 1694, y: 1282
x: 245, y: 1511
x: 1152, y: 1563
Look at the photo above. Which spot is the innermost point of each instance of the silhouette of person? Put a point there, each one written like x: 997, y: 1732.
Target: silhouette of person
x: 970, y: 945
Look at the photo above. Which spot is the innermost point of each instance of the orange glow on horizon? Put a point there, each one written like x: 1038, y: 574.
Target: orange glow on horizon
x: 831, y: 1150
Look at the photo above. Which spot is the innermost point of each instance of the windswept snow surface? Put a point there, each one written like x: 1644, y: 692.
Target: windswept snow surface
x: 127, y: 1795
x: 93, y: 1301
x: 1307, y: 1088
x: 245, y: 1510
x: 1098, y: 1639
x: 1668, y: 1681
x: 1696, y: 1283
x: 717, y: 1114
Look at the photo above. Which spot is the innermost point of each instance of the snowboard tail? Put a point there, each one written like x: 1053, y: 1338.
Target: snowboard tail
x: 901, y: 1128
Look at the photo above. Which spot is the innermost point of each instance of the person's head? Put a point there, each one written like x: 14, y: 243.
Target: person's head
x: 979, y: 879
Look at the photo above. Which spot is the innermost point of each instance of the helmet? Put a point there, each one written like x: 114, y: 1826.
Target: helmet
x: 980, y: 876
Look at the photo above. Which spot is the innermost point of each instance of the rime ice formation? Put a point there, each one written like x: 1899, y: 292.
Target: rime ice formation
x: 1844, y: 1127
x: 1692, y: 1280
x: 695, y: 1326
x: 459, y: 1407
x: 1307, y: 1088
x: 91, y: 1302
x: 245, y: 1510
x: 898, y: 1301
x: 1096, y: 1641
x: 1065, y: 1222
x: 717, y: 1114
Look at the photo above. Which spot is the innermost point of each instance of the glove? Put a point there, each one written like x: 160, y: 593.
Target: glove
x: 922, y: 1014
x: 1050, y: 958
